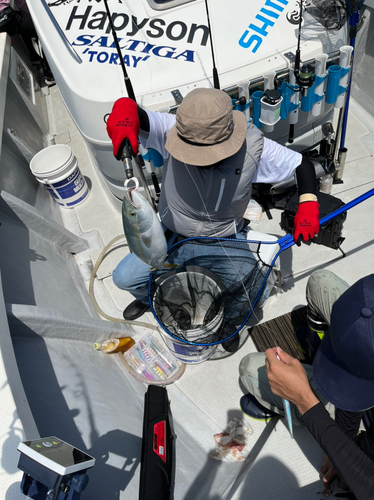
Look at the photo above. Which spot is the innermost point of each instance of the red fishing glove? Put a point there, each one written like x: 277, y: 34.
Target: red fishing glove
x: 123, y: 123
x: 306, y: 223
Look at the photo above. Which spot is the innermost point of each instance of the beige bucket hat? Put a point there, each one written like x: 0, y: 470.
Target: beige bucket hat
x: 207, y: 130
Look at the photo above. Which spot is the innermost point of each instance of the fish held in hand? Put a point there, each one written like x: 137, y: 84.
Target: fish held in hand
x: 143, y: 230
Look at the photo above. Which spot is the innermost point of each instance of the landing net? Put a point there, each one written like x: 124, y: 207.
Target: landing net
x: 333, y: 15
x: 212, y: 292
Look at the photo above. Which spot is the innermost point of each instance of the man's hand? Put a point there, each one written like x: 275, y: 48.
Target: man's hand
x: 306, y: 222
x: 123, y: 123
x: 289, y: 379
x: 328, y: 471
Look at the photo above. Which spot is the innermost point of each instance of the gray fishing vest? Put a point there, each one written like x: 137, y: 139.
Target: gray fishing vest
x: 202, y: 202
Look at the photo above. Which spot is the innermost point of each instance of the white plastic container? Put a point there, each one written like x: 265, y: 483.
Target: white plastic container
x: 326, y: 184
x: 57, y: 169
x: 270, y: 113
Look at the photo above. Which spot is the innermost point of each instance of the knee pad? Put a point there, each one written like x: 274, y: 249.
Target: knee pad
x: 317, y: 328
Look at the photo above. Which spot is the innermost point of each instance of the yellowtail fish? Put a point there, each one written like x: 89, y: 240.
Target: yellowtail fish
x: 143, y: 230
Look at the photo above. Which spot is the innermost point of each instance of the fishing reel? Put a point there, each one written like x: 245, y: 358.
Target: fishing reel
x: 304, y: 78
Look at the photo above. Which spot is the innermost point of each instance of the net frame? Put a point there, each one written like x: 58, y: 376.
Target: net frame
x: 284, y: 243
x: 227, y: 293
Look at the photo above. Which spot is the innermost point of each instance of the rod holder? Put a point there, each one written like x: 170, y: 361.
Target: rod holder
x: 320, y: 71
x: 256, y: 110
x: 336, y: 85
x: 295, y: 100
x: 312, y: 97
x: 342, y: 155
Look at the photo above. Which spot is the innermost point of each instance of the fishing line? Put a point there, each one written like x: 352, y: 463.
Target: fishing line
x: 222, y: 247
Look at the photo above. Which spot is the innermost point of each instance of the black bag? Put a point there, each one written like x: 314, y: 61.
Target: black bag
x: 7, y: 20
x: 158, y: 448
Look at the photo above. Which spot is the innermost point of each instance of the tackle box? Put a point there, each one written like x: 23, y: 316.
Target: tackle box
x: 151, y: 360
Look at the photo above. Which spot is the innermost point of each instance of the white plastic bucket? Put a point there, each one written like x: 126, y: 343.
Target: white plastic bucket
x: 57, y: 169
x: 190, y: 353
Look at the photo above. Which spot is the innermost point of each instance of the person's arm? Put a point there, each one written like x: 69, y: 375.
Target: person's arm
x: 306, y: 222
x: 279, y: 163
x: 352, y: 464
x: 349, y: 422
x: 289, y: 380
x: 143, y: 119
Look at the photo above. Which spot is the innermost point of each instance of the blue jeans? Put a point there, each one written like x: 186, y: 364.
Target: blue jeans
x: 132, y: 274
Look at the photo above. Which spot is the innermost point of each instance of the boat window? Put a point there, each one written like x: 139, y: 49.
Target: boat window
x: 166, y: 4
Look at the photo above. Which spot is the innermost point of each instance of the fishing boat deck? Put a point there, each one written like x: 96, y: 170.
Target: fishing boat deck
x: 206, y: 398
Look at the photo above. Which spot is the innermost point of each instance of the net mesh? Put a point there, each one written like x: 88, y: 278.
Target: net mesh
x: 211, y: 293
x: 331, y: 15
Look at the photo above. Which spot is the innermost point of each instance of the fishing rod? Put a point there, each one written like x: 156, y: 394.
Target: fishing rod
x: 291, y: 132
x: 127, y: 153
x: 353, y: 8
x: 129, y: 88
x: 303, y: 72
x: 215, y: 72
x: 298, y: 56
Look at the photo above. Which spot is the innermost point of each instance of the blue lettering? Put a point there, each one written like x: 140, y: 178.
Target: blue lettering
x: 85, y: 39
x: 168, y: 54
x: 136, y: 60
x: 101, y: 41
x: 248, y: 39
x: 133, y: 45
x: 110, y: 57
x: 147, y: 48
x: 273, y: 5
x: 187, y: 54
x: 92, y: 53
x: 103, y: 57
x: 257, y: 40
x: 113, y: 59
x: 266, y: 23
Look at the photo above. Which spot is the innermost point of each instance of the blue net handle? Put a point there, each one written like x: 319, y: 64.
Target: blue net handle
x: 285, y: 242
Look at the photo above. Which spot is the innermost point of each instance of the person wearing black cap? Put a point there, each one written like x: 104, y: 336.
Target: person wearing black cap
x: 214, y: 155
x: 341, y: 378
